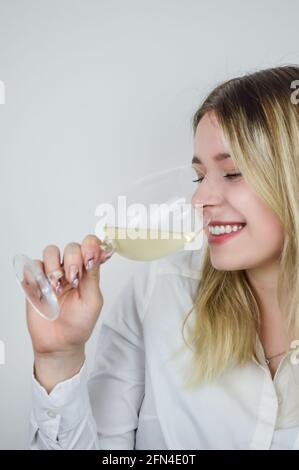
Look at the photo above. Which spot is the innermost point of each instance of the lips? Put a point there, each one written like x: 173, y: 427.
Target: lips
x: 225, y: 236
x: 219, y: 222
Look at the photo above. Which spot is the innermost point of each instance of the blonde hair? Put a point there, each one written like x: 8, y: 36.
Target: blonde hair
x: 260, y: 124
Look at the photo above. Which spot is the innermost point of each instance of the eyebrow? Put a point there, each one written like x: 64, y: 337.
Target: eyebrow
x: 218, y: 157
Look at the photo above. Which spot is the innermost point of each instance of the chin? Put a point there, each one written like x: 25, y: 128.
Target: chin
x: 227, y: 265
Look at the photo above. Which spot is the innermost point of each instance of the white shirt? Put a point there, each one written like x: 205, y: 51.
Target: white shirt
x: 134, y: 398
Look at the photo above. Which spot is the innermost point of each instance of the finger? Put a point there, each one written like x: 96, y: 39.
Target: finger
x: 37, y: 299
x: 31, y: 285
x: 92, y: 254
x: 29, y: 281
x: 73, y: 263
x: 52, y: 266
x: 91, y: 251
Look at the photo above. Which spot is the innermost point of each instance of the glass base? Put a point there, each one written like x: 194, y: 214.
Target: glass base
x: 37, y: 288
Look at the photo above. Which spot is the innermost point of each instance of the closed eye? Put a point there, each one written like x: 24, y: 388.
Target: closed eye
x: 228, y: 176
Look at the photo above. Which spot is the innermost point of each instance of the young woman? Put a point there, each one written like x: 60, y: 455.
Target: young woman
x: 198, y: 351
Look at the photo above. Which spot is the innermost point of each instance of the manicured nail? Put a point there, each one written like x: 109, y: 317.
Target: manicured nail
x: 74, y: 275
x: 55, y: 275
x: 90, y: 264
x: 105, y: 256
x: 58, y: 288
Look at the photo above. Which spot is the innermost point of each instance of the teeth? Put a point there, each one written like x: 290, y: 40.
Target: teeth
x: 220, y: 229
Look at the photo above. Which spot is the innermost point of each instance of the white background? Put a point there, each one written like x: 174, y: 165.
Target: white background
x: 98, y: 94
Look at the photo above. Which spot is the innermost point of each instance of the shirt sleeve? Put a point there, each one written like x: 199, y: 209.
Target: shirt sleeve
x: 102, y: 412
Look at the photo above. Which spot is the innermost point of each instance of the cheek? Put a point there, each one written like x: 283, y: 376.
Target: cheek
x: 254, y: 210
x: 269, y: 235
x: 264, y: 228
x: 261, y: 242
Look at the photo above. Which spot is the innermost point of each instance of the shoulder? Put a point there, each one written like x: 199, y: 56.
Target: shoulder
x: 174, y: 278
x: 170, y: 280
x: 186, y: 264
x: 182, y: 264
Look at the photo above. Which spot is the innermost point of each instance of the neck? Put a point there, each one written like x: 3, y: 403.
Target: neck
x: 264, y: 281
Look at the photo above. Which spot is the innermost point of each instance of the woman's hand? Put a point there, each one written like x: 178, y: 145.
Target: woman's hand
x: 59, y: 345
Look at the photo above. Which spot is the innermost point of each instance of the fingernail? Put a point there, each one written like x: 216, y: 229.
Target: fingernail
x: 55, y: 275
x: 74, y: 275
x: 58, y: 288
x: 105, y: 256
x: 90, y: 264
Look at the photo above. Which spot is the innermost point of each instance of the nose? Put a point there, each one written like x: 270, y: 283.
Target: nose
x: 207, y: 193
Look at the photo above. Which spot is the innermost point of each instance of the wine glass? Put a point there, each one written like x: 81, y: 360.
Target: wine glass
x: 152, y: 219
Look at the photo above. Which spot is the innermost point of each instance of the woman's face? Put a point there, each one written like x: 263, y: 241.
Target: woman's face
x: 260, y: 242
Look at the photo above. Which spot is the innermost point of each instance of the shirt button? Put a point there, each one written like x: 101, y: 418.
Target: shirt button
x: 279, y: 399
x: 52, y: 414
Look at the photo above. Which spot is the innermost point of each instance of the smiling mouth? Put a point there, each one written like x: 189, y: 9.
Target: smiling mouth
x: 219, y: 238
x: 223, y: 225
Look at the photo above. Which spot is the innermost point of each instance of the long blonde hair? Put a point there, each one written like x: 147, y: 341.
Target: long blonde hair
x: 260, y: 123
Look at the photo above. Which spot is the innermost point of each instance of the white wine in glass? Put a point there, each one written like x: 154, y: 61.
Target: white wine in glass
x: 149, y: 245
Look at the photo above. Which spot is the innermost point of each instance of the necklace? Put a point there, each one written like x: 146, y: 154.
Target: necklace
x: 268, y: 359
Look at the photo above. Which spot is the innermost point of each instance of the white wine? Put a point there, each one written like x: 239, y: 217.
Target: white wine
x: 146, y: 244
